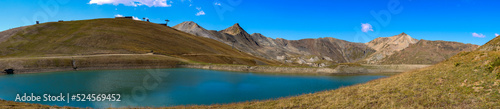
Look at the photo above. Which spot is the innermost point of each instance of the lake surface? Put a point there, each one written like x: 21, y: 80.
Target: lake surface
x: 169, y: 87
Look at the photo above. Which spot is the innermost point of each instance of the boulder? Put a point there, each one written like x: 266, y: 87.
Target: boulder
x: 9, y: 71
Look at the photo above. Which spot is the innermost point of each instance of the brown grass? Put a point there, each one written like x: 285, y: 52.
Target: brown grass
x: 428, y: 52
x: 90, y: 62
x: 117, y: 36
x: 18, y: 105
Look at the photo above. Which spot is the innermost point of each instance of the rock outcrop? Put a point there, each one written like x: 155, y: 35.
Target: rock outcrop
x: 386, y: 46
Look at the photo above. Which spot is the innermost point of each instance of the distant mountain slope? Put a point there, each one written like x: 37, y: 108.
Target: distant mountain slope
x: 328, y: 51
x: 119, y: 36
x: 193, y: 28
x: 386, y: 46
x: 313, y: 52
x: 427, y: 52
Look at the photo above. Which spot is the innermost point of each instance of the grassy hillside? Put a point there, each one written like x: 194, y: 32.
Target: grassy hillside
x: 93, y: 62
x: 427, y: 52
x: 466, y: 80
x: 492, y: 45
x: 119, y: 36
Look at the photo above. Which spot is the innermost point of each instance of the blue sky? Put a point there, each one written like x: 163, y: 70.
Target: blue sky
x: 467, y: 21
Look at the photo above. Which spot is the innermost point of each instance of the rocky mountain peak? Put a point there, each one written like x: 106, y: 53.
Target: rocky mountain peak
x: 187, y: 24
x: 402, y: 34
x: 404, y: 38
x: 193, y: 28
x: 257, y: 34
x: 387, y: 46
x: 234, y: 30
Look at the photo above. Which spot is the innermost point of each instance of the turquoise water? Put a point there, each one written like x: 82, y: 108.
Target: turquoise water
x: 169, y: 87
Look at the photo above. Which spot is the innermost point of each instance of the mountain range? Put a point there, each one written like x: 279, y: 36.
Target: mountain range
x: 329, y: 51
x: 229, y: 46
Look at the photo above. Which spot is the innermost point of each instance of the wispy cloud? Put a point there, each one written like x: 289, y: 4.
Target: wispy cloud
x: 217, y: 4
x: 135, y: 18
x: 478, y: 35
x: 496, y: 34
x: 365, y: 27
x: 200, y: 12
x: 149, y: 3
x: 118, y: 15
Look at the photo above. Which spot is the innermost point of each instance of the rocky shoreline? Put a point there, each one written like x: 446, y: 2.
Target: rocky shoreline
x: 342, y: 69
x: 40, y: 65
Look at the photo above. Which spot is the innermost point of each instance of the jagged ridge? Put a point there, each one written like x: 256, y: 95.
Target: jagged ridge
x: 313, y: 52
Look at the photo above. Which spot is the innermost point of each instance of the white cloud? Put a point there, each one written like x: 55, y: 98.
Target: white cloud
x: 365, y: 27
x: 217, y: 3
x: 200, y: 12
x: 478, y: 35
x: 149, y: 3
x: 118, y: 15
x: 135, y: 18
x: 496, y: 34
